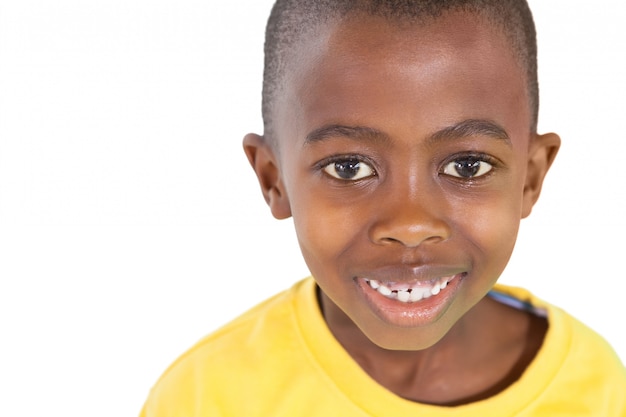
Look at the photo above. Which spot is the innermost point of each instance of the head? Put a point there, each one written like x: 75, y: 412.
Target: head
x: 401, y: 137
x: 292, y: 21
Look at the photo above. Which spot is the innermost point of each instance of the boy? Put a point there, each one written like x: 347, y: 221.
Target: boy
x: 401, y: 137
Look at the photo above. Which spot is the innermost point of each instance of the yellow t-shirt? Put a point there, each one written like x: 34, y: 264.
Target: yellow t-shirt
x: 280, y: 359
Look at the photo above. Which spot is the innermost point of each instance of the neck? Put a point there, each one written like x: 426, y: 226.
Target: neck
x: 482, y: 354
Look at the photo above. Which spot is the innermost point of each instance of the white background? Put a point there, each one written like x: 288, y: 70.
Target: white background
x: 131, y: 224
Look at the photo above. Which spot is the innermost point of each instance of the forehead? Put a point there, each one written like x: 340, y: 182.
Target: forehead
x: 361, y: 68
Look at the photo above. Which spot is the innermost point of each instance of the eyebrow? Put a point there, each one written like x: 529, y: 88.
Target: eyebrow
x: 469, y: 128
x: 351, y: 132
x: 463, y: 129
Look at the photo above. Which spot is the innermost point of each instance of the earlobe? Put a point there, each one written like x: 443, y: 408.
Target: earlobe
x: 263, y: 160
x: 541, y: 154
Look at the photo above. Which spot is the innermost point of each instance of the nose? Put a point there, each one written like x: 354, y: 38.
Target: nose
x: 410, y: 219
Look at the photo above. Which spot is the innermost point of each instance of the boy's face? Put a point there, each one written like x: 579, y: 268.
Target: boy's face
x: 406, y: 159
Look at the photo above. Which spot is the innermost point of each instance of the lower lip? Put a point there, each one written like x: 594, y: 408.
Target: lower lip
x: 411, y: 314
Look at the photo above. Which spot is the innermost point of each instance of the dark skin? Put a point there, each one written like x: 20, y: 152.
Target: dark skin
x: 486, y: 365
x: 405, y: 156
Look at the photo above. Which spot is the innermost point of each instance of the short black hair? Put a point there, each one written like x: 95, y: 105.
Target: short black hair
x: 291, y: 21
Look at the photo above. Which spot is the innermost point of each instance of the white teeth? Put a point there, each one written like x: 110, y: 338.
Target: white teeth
x: 411, y: 294
x: 404, y: 296
x: 384, y: 291
x: 416, y: 295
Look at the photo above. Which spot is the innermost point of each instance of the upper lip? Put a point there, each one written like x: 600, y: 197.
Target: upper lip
x: 410, y: 274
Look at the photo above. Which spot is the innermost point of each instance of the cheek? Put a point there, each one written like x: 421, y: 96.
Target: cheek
x: 325, y: 230
x: 493, y: 231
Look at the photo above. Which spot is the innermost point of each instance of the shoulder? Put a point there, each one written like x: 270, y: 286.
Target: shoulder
x: 576, y: 366
x: 591, y: 374
x: 268, y: 321
x: 236, y: 355
x: 587, y: 350
x: 569, y: 336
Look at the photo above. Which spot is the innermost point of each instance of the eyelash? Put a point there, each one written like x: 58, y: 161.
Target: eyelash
x: 356, y: 159
x: 477, y: 157
x: 327, y: 163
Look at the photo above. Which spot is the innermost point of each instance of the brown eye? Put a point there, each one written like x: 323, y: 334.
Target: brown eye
x: 469, y: 167
x: 349, y: 170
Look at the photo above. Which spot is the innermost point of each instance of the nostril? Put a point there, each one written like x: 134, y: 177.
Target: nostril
x: 411, y: 242
x: 412, y: 235
x: 389, y: 240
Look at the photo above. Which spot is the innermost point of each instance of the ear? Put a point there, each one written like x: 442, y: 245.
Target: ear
x: 263, y: 160
x: 541, y: 154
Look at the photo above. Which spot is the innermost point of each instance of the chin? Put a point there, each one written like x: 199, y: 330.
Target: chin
x: 409, y: 339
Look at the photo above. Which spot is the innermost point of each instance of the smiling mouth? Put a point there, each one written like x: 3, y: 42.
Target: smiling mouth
x: 410, y: 293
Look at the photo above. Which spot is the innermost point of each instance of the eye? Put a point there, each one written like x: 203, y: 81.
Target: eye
x: 350, y: 169
x: 468, y: 167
